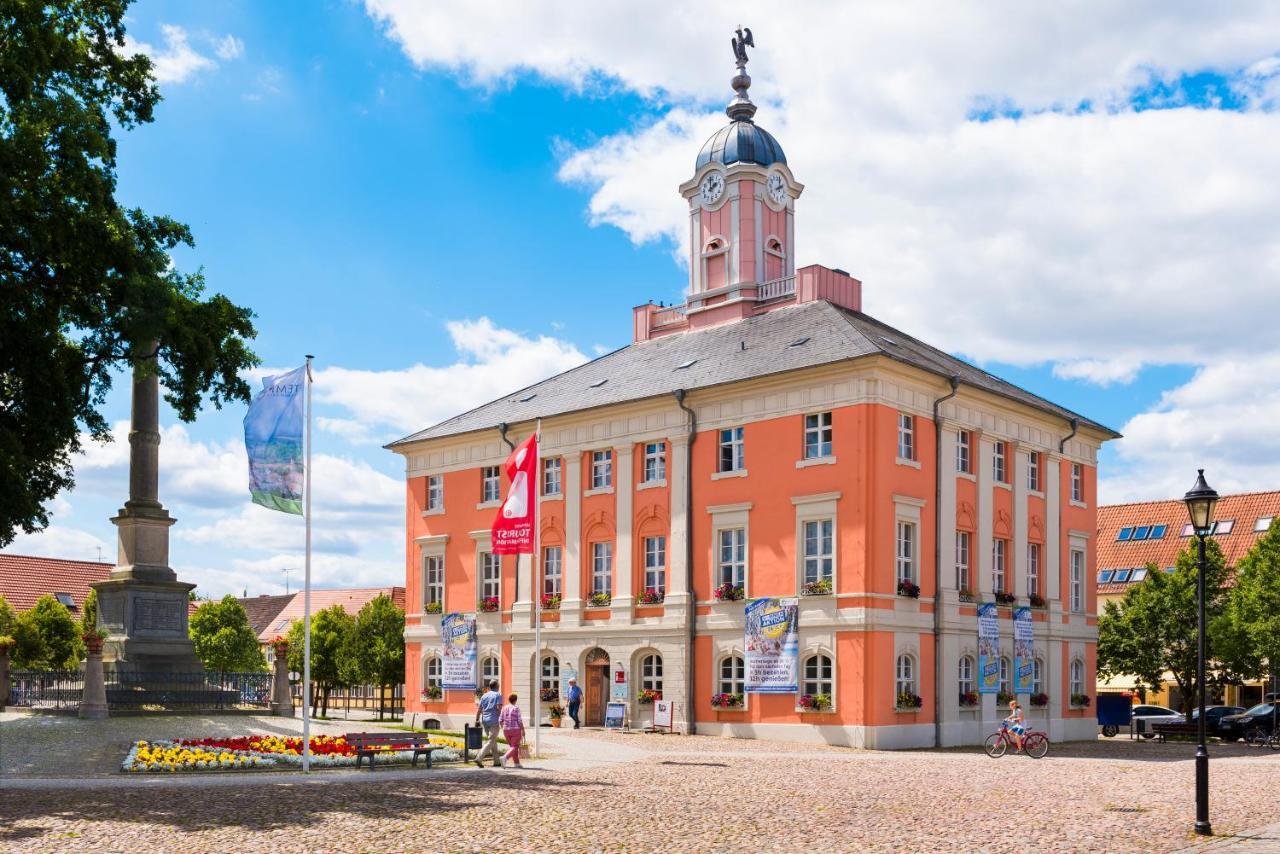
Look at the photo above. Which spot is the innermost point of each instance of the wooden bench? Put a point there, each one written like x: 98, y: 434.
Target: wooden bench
x: 1162, y: 730
x: 372, y: 744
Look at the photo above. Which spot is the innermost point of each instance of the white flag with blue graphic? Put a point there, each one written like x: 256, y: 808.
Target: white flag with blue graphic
x: 273, y: 440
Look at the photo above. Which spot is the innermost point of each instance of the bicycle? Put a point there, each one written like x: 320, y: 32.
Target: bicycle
x: 1034, y: 743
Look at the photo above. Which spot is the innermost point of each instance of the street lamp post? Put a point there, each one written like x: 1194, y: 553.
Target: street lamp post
x: 1200, y: 503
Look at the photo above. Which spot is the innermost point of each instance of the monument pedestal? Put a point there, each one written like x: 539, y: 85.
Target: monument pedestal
x: 93, y: 704
x: 145, y: 623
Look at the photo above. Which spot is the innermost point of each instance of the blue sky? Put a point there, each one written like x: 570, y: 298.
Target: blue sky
x: 445, y: 203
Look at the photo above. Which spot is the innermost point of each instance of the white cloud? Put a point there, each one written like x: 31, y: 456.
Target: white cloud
x: 229, y: 47
x: 64, y: 542
x: 177, y: 60
x: 1103, y: 372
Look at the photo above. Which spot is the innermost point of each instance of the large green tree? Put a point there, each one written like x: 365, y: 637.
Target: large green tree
x: 330, y: 630
x: 8, y: 618
x: 48, y: 637
x: 1250, y: 623
x: 223, y: 638
x: 374, y: 652
x: 87, y: 287
x: 1152, y: 630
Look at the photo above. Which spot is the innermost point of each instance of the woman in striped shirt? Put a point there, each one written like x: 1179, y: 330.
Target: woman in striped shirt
x: 512, y: 730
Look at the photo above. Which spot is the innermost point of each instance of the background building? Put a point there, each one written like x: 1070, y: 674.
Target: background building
x: 271, y: 616
x: 24, y: 579
x: 770, y: 436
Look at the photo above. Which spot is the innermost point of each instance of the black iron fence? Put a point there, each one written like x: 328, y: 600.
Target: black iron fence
x: 63, y: 689
x: 387, y: 701
x: 46, y: 689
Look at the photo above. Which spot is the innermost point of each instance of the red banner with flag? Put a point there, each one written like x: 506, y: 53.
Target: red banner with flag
x: 513, y: 529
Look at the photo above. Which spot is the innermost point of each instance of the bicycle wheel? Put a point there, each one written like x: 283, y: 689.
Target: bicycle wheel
x: 995, y: 745
x: 1274, y: 741
x: 1035, y: 745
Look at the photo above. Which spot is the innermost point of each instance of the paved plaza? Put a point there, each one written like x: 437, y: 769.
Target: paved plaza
x: 609, y: 791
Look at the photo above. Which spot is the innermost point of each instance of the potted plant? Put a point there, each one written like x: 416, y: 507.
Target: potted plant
x: 601, y: 599
x: 966, y: 595
x: 909, y: 589
x: 652, y: 597
x: 551, y: 601
x: 969, y: 699
x: 433, y: 608
x: 908, y: 701
x: 432, y: 692
x: 488, y: 604
x: 1080, y: 701
x: 821, y: 587
x: 556, y: 711
x: 1004, y: 698
x: 647, y: 696
x: 92, y: 641
x: 728, y: 592
x: 815, y: 702
x: 1037, y: 601
x: 280, y: 646
x: 1003, y: 598
x: 549, y: 695
x: 727, y: 701
x: 1040, y: 700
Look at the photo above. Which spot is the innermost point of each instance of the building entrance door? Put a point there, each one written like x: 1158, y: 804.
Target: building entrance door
x: 596, y: 691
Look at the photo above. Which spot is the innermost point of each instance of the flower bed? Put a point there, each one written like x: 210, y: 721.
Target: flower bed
x: 263, y: 752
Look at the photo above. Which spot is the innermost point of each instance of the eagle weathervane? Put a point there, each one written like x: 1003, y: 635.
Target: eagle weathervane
x: 741, y: 108
x: 740, y: 43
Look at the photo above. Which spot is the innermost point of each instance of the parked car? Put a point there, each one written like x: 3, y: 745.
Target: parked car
x: 1233, y: 727
x: 1149, y: 715
x: 1213, y: 716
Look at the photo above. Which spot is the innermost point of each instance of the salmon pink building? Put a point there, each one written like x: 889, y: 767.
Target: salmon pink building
x: 764, y: 439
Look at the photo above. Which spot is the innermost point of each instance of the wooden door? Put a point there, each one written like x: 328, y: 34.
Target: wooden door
x: 595, y: 694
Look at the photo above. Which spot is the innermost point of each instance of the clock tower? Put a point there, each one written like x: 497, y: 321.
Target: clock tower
x: 741, y: 202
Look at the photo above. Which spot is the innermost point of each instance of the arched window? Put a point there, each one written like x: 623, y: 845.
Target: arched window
x: 964, y: 670
x: 651, y: 674
x: 905, y: 681
x: 432, y: 673
x: 715, y: 264
x: 1006, y: 687
x: 550, y: 673
x: 490, y: 670
x: 733, y: 673
x: 1037, y: 676
x: 775, y: 263
x: 817, y: 675
x: 1077, y: 677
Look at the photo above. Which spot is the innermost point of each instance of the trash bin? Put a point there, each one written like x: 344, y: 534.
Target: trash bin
x: 474, y: 736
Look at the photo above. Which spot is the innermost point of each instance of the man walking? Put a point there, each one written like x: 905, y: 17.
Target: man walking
x: 575, y: 702
x: 487, y: 713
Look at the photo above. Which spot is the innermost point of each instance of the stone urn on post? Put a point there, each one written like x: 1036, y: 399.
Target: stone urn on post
x: 6, y: 644
x: 93, y: 702
x: 281, y: 698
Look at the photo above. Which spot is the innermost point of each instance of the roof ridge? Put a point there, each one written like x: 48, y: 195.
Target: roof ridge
x: 1221, y: 498
x: 56, y: 559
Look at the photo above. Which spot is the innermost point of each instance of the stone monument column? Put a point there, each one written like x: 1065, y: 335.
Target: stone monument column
x: 142, y: 607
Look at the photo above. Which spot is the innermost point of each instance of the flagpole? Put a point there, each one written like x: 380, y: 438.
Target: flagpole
x: 537, y: 595
x: 306, y: 595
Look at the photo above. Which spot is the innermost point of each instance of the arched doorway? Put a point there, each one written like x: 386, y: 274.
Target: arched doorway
x: 595, y: 690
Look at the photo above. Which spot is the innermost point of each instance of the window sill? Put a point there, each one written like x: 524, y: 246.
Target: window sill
x: 1035, y: 493
x: 967, y: 475
x: 913, y: 710
x: 599, y: 490
x: 815, y: 461
x: 915, y: 464
x: 803, y: 711
x: 437, y: 511
x: 1082, y: 505
x: 489, y: 505
x: 722, y: 475
x: 1000, y: 484
x: 651, y: 484
x: 553, y: 496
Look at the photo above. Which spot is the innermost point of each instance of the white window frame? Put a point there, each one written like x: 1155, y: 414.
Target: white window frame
x: 1076, y: 580
x: 824, y: 680
x: 818, y: 557
x: 733, y: 441
x: 999, y: 565
x: 736, y: 679
x: 486, y: 676
x: 964, y: 451
x: 904, y: 675
x: 906, y: 548
x: 553, y: 570
x: 1077, y: 483
x: 549, y: 672
x: 655, y: 564
x: 602, y: 469
x: 964, y: 675
x: 489, y: 574
x: 655, y: 462
x: 818, y: 436
x: 964, y: 556
x: 1006, y: 676
x: 490, y: 484
x: 1033, y: 471
x: 999, y: 462
x: 552, y: 476
x: 651, y: 672
x: 428, y: 678
x: 1075, y: 678
x: 435, y: 493
x: 737, y: 564
x: 602, y: 567
x: 1037, y: 675
x: 906, y: 436
x: 432, y: 563
x: 1034, y: 551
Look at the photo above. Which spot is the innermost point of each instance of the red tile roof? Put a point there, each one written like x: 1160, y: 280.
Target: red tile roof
x: 351, y: 600
x: 24, y: 579
x: 262, y: 610
x: 1244, y: 510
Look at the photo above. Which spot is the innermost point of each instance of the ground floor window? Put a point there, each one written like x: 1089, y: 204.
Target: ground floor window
x: 1006, y: 687
x: 817, y: 676
x: 905, y: 682
x: 651, y: 674
x: 550, y: 673
x: 433, y: 675
x: 733, y: 674
x: 1037, y: 676
x: 965, y: 671
x: 1077, y: 677
x: 490, y: 670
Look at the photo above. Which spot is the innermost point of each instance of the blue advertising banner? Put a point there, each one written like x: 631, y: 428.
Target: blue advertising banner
x: 273, y: 442
x: 773, y: 646
x: 988, y: 649
x: 458, y: 652
x: 1023, y: 656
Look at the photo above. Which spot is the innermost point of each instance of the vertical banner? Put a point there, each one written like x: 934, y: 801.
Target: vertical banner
x: 273, y: 442
x: 512, y: 532
x: 988, y: 649
x: 458, y: 652
x: 773, y: 645
x: 1023, y: 658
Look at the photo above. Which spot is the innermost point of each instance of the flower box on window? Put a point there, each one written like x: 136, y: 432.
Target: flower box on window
x: 909, y: 702
x: 488, y: 604
x: 966, y: 595
x: 433, y: 692
x: 729, y: 592
x: 1003, y: 598
x: 1003, y: 698
x: 432, y: 608
x: 909, y: 589
x: 652, y: 597
x: 1080, y: 701
x: 821, y: 587
x: 969, y: 700
x: 647, y: 696
x: 727, y: 701
x: 1040, y: 700
x: 1037, y: 601
x: 549, y: 694
x: 815, y: 702
x: 551, y: 601
x: 601, y: 599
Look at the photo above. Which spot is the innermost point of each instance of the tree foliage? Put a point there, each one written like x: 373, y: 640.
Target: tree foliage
x: 1153, y: 629
x: 8, y: 618
x: 330, y: 633
x: 223, y: 638
x: 89, y: 612
x: 1250, y: 622
x: 87, y: 287
x: 374, y: 653
x: 48, y: 637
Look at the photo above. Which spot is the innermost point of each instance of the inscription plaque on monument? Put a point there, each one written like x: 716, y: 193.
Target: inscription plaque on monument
x: 157, y: 615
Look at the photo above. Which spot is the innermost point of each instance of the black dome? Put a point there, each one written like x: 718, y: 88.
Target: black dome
x: 741, y: 142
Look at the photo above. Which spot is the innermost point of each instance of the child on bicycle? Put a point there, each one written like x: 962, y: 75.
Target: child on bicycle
x: 1014, y: 722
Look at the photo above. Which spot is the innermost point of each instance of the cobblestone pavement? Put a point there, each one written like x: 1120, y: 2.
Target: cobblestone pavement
x: 631, y: 792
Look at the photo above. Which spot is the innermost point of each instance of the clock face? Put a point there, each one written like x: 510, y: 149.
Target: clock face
x: 777, y: 188
x: 712, y: 188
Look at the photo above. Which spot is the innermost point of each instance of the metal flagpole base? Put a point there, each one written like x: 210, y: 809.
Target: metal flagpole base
x: 1203, y: 827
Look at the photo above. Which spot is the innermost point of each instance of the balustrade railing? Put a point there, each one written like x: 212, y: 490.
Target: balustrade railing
x: 776, y: 289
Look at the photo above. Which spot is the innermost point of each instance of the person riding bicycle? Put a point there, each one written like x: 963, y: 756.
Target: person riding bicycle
x: 1014, y: 722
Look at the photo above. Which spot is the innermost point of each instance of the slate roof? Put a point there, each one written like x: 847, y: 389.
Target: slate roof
x: 351, y: 600
x: 262, y: 610
x: 1243, y: 509
x: 741, y: 142
x: 650, y: 368
x: 24, y: 579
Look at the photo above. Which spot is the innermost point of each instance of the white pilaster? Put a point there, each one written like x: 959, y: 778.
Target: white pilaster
x: 677, y: 572
x: 947, y: 509
x: 1052, y: 556
x: 571, y: 605
x: 623, y: 571
x: 1018, y: 560
x: 986, y: 514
